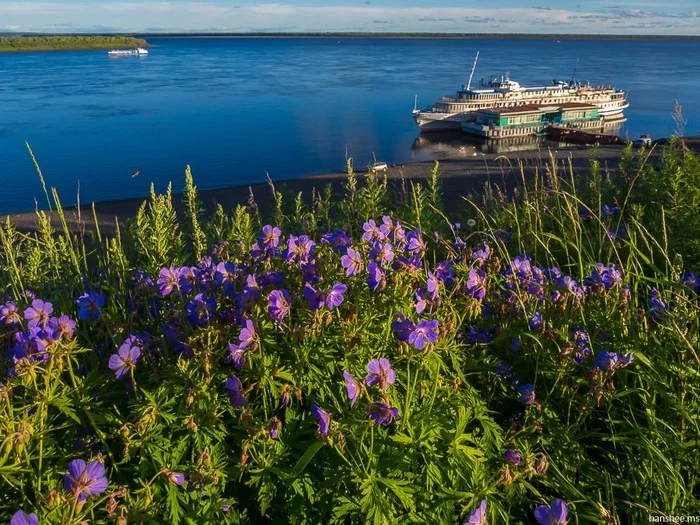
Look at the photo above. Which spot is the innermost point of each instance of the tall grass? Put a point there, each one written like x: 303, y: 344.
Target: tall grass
x: 618, y: 444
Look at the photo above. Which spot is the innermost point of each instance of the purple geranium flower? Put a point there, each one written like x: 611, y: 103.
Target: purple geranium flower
x: 424, y: 332
x: 9, y: 314
x: 248, y: 336
x: 200, y: 310
x: 64, y: 326
x: 352, y: 386
x: 314, y: 297
x: 554, y: 514
x: 402, y: 326
x: 352, y: 262
x: 382, y: 253
x: 169, y: 279
x: 372, y: 232
x: 382, y: 414
x: 20, y: 518
x: 657, y: 306
x: 89, y: 305
x: 335, y: 296
x: 125, y: 359
x: 85, y: 480
x: 323, y: 418
x: 478, y: 517
x: 380, y: 372
x: 512, y: 457
x: 481, y: 256
x: 376, y: 280
x: 280, y: 305
x: 233, y: 389
x: 536, y: 322
x: 176, y: 478
x: 476, y: 284
x: 236, y: 355
x: 270, y: 237
x: 38, y: 314
x: 415, y: 242
x: 527, y: 394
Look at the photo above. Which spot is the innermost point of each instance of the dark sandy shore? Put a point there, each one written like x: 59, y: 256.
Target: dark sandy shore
x: 459, y: 177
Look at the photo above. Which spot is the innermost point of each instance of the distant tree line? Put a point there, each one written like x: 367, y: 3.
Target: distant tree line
x: 65, y: 42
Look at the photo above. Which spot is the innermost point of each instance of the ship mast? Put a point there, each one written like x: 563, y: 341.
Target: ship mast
x: 469, y: 84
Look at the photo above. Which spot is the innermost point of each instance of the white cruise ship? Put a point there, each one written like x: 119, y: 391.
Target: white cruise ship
x: 139, y: 51
x: 449, y: 113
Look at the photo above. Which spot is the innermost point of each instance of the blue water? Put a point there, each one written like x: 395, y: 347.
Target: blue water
x: 237, y: 108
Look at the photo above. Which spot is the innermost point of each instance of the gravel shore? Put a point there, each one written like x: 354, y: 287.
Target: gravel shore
x: 459, y: 178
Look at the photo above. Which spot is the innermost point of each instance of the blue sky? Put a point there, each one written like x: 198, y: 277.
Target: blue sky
x: 679, y: 17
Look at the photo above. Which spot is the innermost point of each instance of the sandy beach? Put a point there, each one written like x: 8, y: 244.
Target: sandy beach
x: 459, y: 178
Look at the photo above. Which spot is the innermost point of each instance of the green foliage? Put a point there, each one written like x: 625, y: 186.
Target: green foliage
x: 155, y: 235
x: 617, y: 445
x: 67, y: 42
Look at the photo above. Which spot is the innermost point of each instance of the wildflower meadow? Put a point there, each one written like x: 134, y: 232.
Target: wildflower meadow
x: 530, y: 358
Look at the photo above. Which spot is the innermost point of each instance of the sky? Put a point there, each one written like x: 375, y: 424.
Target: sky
x: 642, y: 17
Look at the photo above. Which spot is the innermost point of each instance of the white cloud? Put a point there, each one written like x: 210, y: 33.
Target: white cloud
x: 138, y: 16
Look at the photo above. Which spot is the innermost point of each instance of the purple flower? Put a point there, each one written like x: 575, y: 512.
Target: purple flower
x: 20, y: 518
x: 376, y: 280
x: 169, y: 280
x: 85, y: 480
x: 236, y: 355
x: 479, y: 336
x: 424, y: 332
x: 125, y: 359
x: 176, y: 478
x: 248, y: 336
x: 610, y: 209
x: 481, y: 257
x: 415, y: 242
x: 270, y: 237
x: 555, y: 514
x: 352, y: 386
x: 233, y: 389
x: 9, y: 314
x: 402, y: 326
x: 503, y: 370
x: 323, y: 418
x: 382, y: 253
x: 536, y: 322
x: 380, y: 372
x: 225, y: 275
x: 657, y: 306
x: 200, y: 310
x: 478, y: 517
x: 338, y: 240
x: 512, y: 457
x: 421, y: 301
x: 606, y: 361
x: 476, y: 284
x: 335, y: 296
x: 434, y: 285
x: 352, y: 262
x: 314, y: 297
x: 280, y: 305
x: 63, y: 325
x: 382, y: 414
x: 38, y: 314
x: 691, y: 280
x: 579, y: 337
x: 372, y: 232
x: 299, y: 249
x: 527, y: 394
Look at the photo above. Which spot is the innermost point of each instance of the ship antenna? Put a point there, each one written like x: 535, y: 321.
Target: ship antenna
x: 469, y: 84
x: 574, y: 73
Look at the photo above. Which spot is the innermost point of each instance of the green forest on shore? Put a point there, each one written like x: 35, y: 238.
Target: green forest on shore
x: 67, y: 42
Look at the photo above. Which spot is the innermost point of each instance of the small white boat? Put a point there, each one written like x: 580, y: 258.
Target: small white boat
x: 139, y: 51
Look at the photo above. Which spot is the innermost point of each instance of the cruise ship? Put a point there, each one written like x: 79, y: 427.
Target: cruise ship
x: 449, y: 113
x: 139, y: 51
